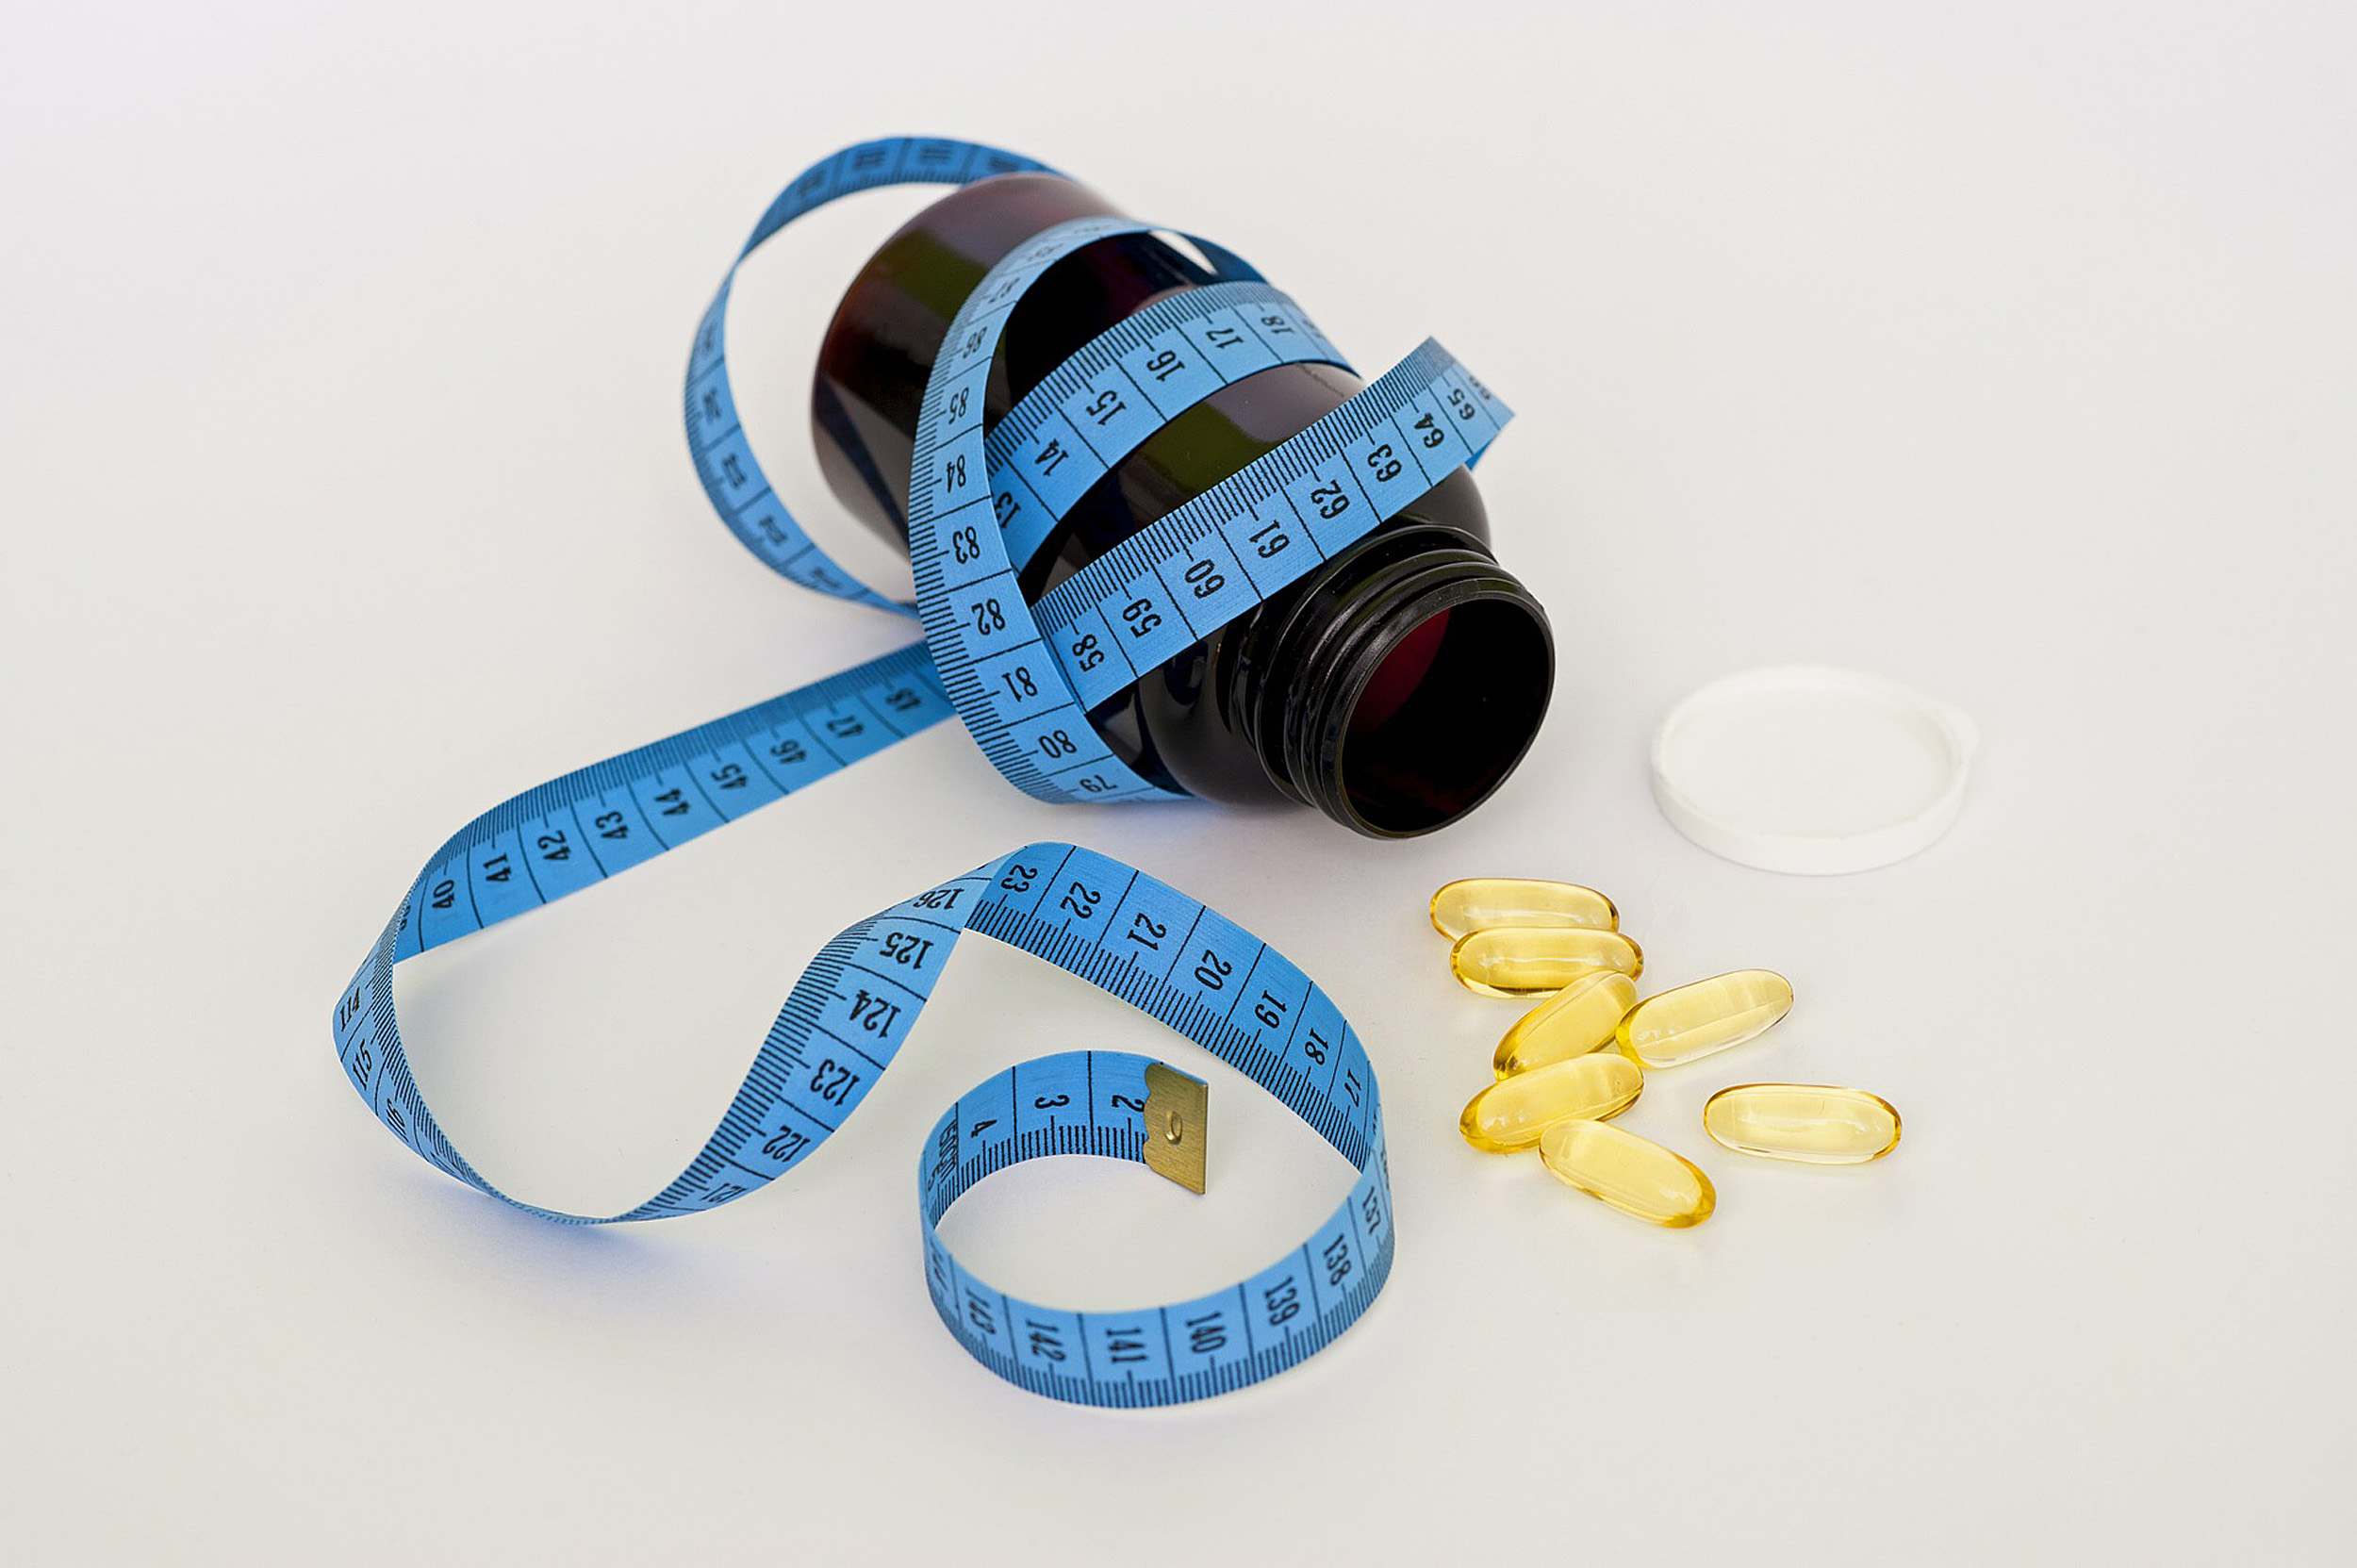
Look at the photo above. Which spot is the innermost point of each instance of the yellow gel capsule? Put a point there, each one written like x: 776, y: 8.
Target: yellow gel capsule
x: 1523, y: 961
x: 1710, y: 1015
x: 1478, y: 903
x: 1510, y: 1113
x: 1815, y: 1123
x: 1576, y: 1020
x: 1634, y: 1175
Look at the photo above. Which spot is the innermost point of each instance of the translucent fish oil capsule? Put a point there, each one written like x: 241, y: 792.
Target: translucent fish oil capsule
x: 1576, y: 1020
x: 1710, y: 1015
x: 1815, y: 1123
x: 1510, y: 1113
x: 1634, y: 1175
x: 1524, y: 961
x: 1478, y: 903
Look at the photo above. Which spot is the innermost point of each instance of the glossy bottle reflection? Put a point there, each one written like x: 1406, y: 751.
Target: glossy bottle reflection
x: 1393, y: 687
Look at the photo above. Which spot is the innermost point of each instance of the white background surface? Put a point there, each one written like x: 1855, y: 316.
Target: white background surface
x: 2003, y: 349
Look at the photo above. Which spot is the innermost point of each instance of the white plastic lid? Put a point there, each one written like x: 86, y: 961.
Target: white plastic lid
x: 1811, y: 769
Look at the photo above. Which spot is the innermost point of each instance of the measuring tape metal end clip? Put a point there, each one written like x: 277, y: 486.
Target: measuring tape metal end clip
x: 1177, y: 1125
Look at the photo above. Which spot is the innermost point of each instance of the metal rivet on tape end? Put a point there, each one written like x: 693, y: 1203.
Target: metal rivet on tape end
x: 1177, y: 1125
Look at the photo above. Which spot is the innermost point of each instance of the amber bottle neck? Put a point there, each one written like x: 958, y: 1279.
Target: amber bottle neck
x: 1402, y: 688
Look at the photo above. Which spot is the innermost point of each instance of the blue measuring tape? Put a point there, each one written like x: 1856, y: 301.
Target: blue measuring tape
x: 1023, y: 678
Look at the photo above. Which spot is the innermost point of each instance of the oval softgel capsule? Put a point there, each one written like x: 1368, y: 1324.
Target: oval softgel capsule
x: 1511, y: 1114
x: 1478, y: 903
x: 1528, y: 961
x: 1709, y: 1016
x: 1576, y: 1020
x: 1817, y: 1124
x: 1634, y: 1175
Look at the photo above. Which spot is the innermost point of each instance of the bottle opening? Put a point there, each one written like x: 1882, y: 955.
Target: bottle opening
x: 1445, y: 715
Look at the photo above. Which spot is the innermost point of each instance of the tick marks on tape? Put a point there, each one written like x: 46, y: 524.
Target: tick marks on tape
x: 1346, y: 549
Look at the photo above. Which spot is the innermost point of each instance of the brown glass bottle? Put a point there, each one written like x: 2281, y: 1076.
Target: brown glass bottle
x: 1393, y: 687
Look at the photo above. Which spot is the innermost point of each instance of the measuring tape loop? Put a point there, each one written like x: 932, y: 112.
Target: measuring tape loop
x: 1024, y: 681
x: 1111, y: 1103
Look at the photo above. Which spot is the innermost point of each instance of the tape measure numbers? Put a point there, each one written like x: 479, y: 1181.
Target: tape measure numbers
x: 855, y: 1003
x: 982, y: 503
x: 1292, y: 510
x: 1159, y: 1355
x: 1069, y: 431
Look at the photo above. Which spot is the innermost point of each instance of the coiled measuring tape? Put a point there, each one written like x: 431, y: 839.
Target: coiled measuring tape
x: 1023, y: 678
